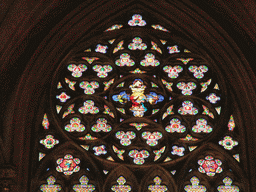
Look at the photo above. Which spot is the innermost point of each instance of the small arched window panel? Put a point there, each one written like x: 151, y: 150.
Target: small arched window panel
x: 135, y: 109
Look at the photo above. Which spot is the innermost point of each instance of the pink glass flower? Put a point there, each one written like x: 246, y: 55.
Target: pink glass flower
x: 68, y: 165
x: 210, y: 166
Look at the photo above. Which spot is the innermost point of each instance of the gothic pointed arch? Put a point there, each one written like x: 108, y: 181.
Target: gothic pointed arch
x: 134, y: 88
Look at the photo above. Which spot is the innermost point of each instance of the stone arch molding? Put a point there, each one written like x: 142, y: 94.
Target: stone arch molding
x: 53, y: 49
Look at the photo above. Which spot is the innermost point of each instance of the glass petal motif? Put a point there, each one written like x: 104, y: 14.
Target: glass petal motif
x: 138, y: 126
x: 137, y: 44
x: 198, y: 71
x: 102, y: 71
x: 150, y: 61
x: 228, y: 143
x: 175, y: 126
x: 137, y: 71
x: 187, y: 108
x: 201, y: 126
x: 125, y: 60
x: 89, y: 87
x: 71, y: 84
x: 77, y: 70
x: 108, y: 111
x: 139, y: 156
x: 152, y: 138
x: 136, y: 21
x: 90, y: 59
x: 173, y: 72
x: 188, y: 138
x: 101, y: 126
x: 75, y: 125
x: 89, y: 108
x: 119, y: 152
x: 125, y: 137
x: 41, y: 156
x: 49, y: 141
x: 186, y: 88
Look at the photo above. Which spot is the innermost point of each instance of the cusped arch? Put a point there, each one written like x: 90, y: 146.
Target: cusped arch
x: 224, y: 166
x: 68, y: 163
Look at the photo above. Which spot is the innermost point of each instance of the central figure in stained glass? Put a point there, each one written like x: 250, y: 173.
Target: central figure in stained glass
x: 138, y: 98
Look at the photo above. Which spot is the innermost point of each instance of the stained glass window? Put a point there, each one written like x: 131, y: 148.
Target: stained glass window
x: 138, y: 101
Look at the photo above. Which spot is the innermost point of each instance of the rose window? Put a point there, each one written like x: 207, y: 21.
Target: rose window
x: 139, y: 96
x: 139, y: 99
